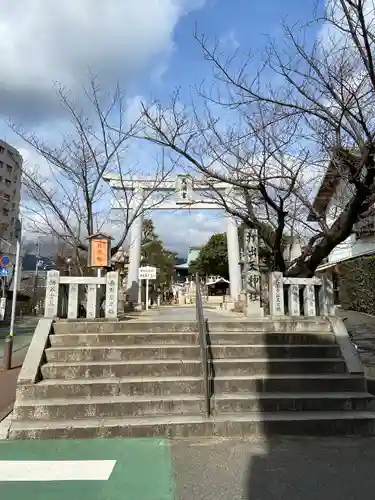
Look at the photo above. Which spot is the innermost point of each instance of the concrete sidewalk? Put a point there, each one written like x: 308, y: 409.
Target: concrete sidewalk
x: 24, y: 331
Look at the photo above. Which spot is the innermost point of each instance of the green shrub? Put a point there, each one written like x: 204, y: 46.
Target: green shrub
x: 357, y: 284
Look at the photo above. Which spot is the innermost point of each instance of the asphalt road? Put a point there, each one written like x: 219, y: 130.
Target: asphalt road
x: 283, y: 469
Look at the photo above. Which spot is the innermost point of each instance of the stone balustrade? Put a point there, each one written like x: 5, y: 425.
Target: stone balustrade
x: 301, y: 296
x: 54, y: 293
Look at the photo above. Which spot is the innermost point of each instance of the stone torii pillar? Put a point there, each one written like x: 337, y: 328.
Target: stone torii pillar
x: 233, y: 258
x: 135, y: 242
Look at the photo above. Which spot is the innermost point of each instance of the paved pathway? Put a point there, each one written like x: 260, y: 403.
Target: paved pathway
x: 186, y: 313
x: 362, y: 327
x: 205, y: 469
x: 24, y: 331
x: 8, y: 379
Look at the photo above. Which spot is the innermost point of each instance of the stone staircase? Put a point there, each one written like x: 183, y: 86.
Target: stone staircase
x: 144, y: 378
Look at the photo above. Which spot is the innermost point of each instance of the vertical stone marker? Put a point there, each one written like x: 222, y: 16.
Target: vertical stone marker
x: 252, y: 279
x: 52, y: 294
x: 73, y: 301
x: 92, y: 303
x: 309, y: 300
x: 326, y: 298
x: 276, y: 294
x: 111, y: 295
x: 293, y: 300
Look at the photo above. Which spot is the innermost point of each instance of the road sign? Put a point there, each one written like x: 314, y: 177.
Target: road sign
x: 147, y: 273
x: 4, y: 271
x: 4, y: 260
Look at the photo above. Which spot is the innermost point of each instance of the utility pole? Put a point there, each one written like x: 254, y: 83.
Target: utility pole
x: 34, y: 301
x: 8, y: 348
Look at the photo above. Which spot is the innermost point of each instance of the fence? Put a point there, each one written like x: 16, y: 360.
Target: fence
x: 54, y: 288
x: 301, y: 296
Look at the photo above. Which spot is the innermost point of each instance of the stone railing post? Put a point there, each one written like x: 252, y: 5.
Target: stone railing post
x: 326, y: 297
x: 52, y: 294
x: 111, y: 294
x: 73, y: 301
x: 293, y: 300
x: 309, y: 306
x: 276, y: 294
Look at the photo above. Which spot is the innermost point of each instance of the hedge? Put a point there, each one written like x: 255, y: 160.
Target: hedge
x: 357, y: 284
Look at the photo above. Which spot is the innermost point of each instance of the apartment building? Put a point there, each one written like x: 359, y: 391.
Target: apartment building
x: 10, y: 196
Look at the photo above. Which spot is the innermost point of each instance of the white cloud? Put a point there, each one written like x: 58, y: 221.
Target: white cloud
x: 181, y: 230
x: 46, y: 41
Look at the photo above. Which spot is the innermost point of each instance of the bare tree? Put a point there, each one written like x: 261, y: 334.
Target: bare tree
x: 69, y: 197
x: 274, y: 141
x: 259, y: 156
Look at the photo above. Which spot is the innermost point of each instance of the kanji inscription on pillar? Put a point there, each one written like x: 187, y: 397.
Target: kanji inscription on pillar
x: 52, y: 294
x: 253, y: 274
x: 111, y: 296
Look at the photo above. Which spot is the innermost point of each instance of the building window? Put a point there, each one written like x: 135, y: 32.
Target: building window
x: 1, y: 164
x: 15, y: 179
x: 5, y: 211
x: 2, y: 149
x: 1, y: 178
x: 6, y: 197
x: 9, y: 169
x: 13, y: 219
x: 11, y: 234
x: 13, y: 206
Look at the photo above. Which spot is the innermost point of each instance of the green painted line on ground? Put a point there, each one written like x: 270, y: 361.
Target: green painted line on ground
x: 143, y: 470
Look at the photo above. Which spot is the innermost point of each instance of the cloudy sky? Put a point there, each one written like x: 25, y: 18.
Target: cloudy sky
x: 147, y: 45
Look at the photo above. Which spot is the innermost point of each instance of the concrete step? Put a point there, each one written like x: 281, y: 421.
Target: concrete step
x: 61, y: 388
x: 186, y: 338
x: 121, y: 353
x: 275, y: 351
x: 145, y: 367
x: 278, y: 401
x: 269, y: 338
x: 327, y: 382
x: 185, y: 404
x: 190, y: 367
x: 242, y: 366
x: 151, y: 326
x: 113, y: 407
x: 319, y: 424
x: 124, y: 353
x: 120, y: 339
x: 130, y: 326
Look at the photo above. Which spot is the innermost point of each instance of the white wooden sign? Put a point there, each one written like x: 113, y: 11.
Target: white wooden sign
x: 147, y: 273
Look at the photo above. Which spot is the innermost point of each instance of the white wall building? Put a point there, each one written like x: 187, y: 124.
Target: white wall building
x: 332, y: 197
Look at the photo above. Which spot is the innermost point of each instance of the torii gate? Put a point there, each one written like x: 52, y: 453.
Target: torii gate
x: 184, y: 186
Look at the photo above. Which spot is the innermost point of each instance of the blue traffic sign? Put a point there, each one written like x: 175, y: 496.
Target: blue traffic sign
x: 4, y: 260
x: 4, y: 271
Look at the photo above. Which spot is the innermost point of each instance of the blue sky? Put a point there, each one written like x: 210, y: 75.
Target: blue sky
x: 148, y: 45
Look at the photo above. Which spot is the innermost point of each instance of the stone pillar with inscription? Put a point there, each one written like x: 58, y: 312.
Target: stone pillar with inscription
x: 252, y: 278
x: 111, y: 295
x: 276, y: 294
x: 326, y: 297
x: 52, y: 294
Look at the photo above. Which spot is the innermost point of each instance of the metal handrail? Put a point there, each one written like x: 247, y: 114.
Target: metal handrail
x: 202, y: 333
